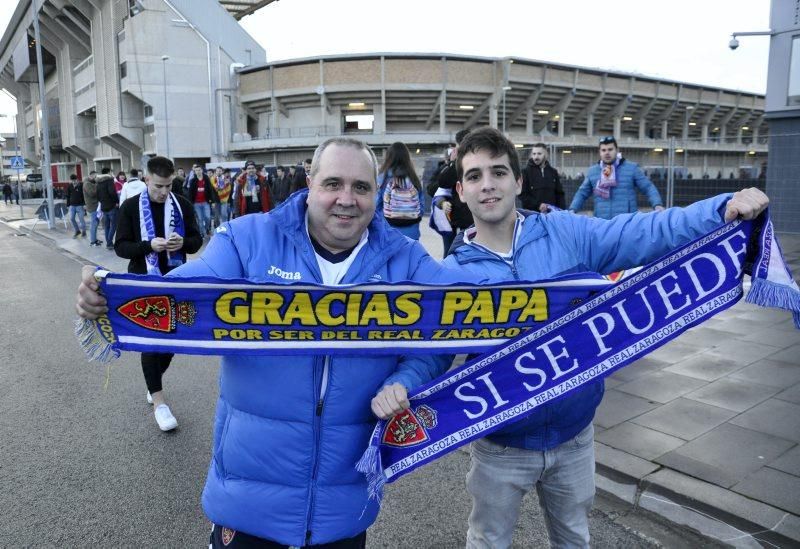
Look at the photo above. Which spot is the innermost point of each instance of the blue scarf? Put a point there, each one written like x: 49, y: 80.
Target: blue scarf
x: 173, y: 222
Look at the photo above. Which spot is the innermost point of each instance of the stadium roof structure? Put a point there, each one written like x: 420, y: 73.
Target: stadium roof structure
x: 241, y: 8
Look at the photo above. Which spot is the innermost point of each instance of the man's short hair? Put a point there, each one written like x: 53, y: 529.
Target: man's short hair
x: 73, y: 177
x: 161, y: 166
x: 196, y: 165
x: 281, y: 168
x: 105, y: 171
x: 345, y: 142
x: 539, y: 146
x: 134, y: 172
x: 307, y: 161
x: 489, y: 140
x: 461, y: 135
x: 249, y: 163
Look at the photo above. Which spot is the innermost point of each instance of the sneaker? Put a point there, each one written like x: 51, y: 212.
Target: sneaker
x: 166, y: 421
x: 95, y: 243
x: 77, y: 234
x: 83, y: 234
x: 149, y: 398
x: 109, y: 247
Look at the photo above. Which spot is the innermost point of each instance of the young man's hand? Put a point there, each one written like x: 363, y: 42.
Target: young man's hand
x: 747, y: 204
x: 90, y: 303
x: 390, y: 400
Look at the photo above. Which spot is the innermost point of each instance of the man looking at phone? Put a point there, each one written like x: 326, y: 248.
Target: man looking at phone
x: 155, y: 230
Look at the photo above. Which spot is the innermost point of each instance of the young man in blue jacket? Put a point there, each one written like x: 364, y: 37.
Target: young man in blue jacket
x: 552, y: 448
x: 290, y: 429
x: 614, y: 182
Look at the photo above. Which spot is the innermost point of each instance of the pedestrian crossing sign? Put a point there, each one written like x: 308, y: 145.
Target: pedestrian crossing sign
x: 17, y: 163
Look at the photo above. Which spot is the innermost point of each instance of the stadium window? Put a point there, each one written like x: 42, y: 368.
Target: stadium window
x: 355, y: 123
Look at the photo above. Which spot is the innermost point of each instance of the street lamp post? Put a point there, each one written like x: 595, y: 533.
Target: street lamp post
x: 45, y: 123
x: 505, y: 89
x: 164, y: 59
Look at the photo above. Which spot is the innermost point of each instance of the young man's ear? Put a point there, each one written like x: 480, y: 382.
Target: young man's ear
x: 519, y: 185
x: 460, y: 188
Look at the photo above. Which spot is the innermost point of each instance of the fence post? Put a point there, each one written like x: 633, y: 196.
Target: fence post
x: 670, y: 172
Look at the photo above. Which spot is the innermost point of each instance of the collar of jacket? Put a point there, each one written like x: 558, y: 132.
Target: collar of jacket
x: 532, y: 164
x: 533, y: 229
x: 290, y: 218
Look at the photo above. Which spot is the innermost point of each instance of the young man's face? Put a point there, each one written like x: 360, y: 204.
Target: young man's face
x: 279, y: 172
x: 538, y: 155
x: 488, y: 187
x: 608, y: 153
x: 158, y: 187
x: 251, y: 171
x: 307, y: 167
x: 181, y: 173
x: 218, y: 172
x: 341, y: 197
x: 198, y: 171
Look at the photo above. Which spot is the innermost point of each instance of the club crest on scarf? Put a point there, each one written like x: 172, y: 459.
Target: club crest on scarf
x: 409, y: 428
x: 160, y: 313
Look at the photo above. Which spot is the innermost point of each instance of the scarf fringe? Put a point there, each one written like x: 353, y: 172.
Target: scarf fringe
x: 97, y: 349
x: 766, y: 293
x: 370, y: 465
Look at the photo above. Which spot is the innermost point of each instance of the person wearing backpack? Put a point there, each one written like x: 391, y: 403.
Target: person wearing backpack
x: 400, y: 191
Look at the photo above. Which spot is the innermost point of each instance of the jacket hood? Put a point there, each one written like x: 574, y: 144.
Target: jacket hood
x: 104, y: 177
x: 533, y: 229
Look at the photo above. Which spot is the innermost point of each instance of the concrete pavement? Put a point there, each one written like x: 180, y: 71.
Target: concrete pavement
x: 703, y: 431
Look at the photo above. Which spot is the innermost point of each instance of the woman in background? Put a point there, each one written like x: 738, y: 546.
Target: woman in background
x: 400, y: 197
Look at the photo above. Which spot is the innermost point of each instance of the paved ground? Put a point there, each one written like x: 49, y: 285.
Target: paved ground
x: 704, y: 431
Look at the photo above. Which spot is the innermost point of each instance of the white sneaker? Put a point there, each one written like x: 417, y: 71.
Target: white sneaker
x: 149, y: 398
x: 166, y: 421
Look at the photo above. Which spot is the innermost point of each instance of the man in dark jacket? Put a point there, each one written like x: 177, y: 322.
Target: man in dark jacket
x: 75, y: 203
x: 163, y: 248
x: 90, y: 198
x: 447, y: 198
x: 280, y: 186
x: 109, y: 204
x: 540, y: 183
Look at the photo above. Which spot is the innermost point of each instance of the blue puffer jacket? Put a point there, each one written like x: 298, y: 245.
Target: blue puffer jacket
x: 562, y: 243
x: 623, y: 197
x: 290, y: 429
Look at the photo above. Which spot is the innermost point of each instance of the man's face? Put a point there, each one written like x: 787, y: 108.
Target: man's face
x: 218, y: 172
x: 280, y: 173
x: 251, y: 171
x: 158, y: 187
x: 341, y: 197
x: 488, y: 187
x: 198, y: 171
x: 608, y: 153
x: 538, y: 155
x: 307, y: 167
x: 181, y: 172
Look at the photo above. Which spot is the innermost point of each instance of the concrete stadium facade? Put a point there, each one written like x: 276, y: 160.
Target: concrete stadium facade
x: 424, y: 99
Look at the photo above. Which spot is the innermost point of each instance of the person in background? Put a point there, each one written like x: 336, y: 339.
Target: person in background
x: 541, y: 184
x: 202, y: 196
x: 76, y: 205
x: 614, y: 182
x: 281, y: 185
x: 177, y: 182
x: 109, y: 204
x: 119, y: 182
x: 132, y: 187
x: 223, y: 186
x: 252, y: 191
x: 92, y: 207
x: 400, y: 198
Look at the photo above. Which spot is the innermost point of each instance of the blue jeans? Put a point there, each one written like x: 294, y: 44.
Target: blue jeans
x: 78, y: 211
x: 93, y: 226
x: 500, y: 476
x: 222, y: 213
x: 202, y: 211
x: 110, y: 223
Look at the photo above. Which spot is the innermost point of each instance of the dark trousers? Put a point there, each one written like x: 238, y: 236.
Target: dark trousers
x: 225, y: 537
x: 153, y: 366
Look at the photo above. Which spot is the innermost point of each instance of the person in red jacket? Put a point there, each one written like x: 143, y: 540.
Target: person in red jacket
x: 252, y: 191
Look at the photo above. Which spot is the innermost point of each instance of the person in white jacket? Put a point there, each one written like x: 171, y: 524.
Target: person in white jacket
x: 133, y: 187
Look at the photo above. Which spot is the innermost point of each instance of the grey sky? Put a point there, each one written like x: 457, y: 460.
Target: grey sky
x: 684, y: 40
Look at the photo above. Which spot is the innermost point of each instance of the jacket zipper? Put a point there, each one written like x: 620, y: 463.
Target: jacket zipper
x: 317, y: 434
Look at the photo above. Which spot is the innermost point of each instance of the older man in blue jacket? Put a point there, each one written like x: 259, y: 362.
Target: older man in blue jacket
x: 289, y: 430
x: 552, y: 448
x: 614, y: 182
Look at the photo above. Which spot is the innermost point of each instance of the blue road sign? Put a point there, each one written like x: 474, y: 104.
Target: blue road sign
x: 17, y: 163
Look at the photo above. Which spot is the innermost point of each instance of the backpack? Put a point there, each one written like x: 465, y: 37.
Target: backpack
x: 401, y: 202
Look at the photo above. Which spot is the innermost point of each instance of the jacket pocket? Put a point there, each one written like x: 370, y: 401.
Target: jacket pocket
x: 219, y: 450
